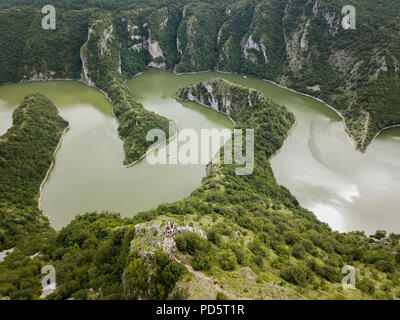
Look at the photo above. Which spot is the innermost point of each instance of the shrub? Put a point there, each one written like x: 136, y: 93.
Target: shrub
x: 221, y: 296
x: 136, y: 279
x: 291, y: 237
x: 257, y: 248
x: 192, y: 243
x: 379, y: 234
x: 259, y: 261
x: 214, y: 236
x: 238, y: 251
x: 167, y: 274
x: 227, y: 260
x: 366, y: 286
x: 282, y: 251
x: 385, y: 266
x: 298, y: 251
x: 295, y: 274
x: 201, y: 261
x: 329, y: 273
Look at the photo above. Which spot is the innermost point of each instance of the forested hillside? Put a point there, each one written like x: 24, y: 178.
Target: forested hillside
x: 26, y: 152
x: 247, y: 232
x: 30, y: 53
x: 300, y: 44
x: 243, y: 231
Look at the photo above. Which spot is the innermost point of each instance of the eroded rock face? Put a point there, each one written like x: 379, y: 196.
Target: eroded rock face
x: 296, y: 47
x: 154, y: 49
x: 220, y: 95
x: 107, y: 35
x: 150, y: 237
x: 216, y: 95
x: 381, y: 61
x: 40, y: 76
x: 148, y: 43
x: 85, y: 69
x: 284, y: 51
x: 251, y: 44
x: 156, y: 53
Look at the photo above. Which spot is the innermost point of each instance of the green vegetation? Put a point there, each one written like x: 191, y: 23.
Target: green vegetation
x: 197, y: 34
x: 30, y: 52
x: 362, y: 64
x: 258, y: 235
x: 102, y: 69
x: 286, y: 237
x: 295, y: 43
x: 26, y: 152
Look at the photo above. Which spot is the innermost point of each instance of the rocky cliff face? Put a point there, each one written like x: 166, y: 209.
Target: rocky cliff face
x: 148, y: 44
x: 85, y: 69
x: 346, y: 66
x: 220, y: 95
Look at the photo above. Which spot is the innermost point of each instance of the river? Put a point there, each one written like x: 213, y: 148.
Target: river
x: 318, y: 163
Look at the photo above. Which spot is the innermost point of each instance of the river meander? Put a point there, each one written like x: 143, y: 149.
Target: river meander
x: 318, y: 163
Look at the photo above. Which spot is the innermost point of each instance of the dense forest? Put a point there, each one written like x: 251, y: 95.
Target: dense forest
x: 26, y: 152
x: 256, y: 234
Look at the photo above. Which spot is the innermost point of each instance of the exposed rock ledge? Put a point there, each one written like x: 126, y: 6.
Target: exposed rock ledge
x: 220, y: 95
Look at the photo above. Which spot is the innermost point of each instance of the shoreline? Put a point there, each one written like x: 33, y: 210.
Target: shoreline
x: 303, y: 94
x: 117, y: 123
x: 274, y: 154
x: 227, y: 73
x: 50, y: 169
x: 284, y: 141
x: 208, y: 107
x: 155, y: 147
x: 346, y: 129
x: 384, y: 129
x: 158, y: 145
x: 170, y: 138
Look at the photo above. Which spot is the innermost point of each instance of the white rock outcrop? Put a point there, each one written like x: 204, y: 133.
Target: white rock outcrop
x: 251, y: 44
x: 107, y: 35
x: 85, y: 69
x: 316, y: 87
x: 5, y: 253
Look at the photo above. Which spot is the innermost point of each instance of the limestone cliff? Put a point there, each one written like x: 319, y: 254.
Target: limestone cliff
x: 220, y: 95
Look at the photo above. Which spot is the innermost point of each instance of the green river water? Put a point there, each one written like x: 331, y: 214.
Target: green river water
x: 318, y: 163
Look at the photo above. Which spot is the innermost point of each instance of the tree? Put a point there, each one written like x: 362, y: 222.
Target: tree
x: 227, y: 259
x: 136, y: 279
x: 201, y: 261
x: 379, y: 234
